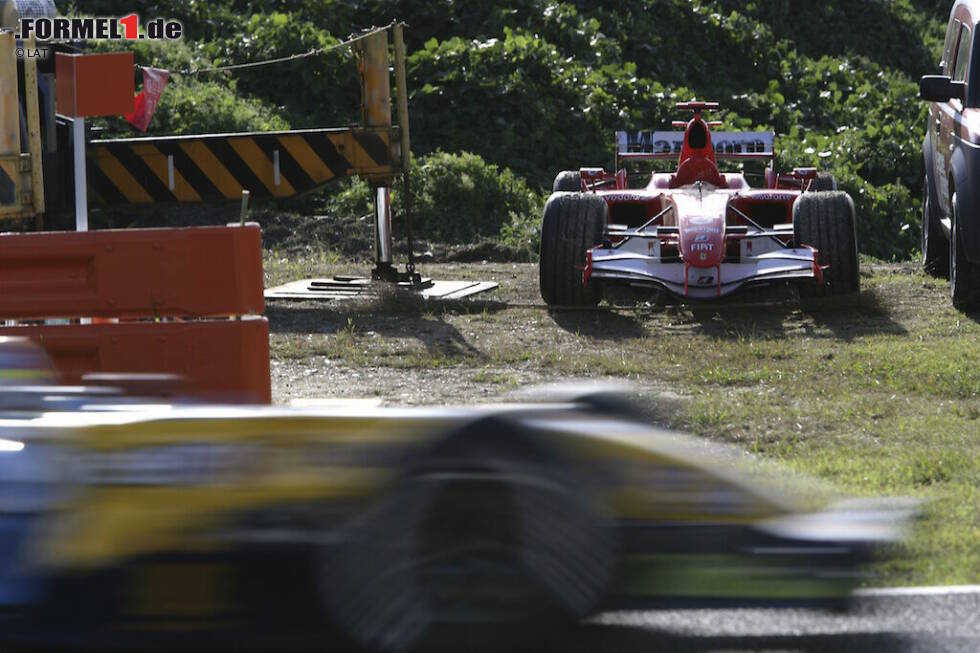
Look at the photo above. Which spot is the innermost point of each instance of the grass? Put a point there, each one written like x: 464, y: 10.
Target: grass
x: 878, y: 395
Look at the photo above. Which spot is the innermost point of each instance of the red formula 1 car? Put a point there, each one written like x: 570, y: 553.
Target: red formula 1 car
x: 697, y: 233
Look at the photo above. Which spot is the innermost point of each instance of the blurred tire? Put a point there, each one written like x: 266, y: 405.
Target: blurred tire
x: 487, y: 531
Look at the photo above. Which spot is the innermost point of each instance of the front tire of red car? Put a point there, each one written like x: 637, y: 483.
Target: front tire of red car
x: 826, y: 222
x: 964, y: 276
x: 573, y: 223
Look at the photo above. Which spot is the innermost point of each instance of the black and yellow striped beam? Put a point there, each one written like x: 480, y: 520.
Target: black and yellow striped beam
x: 220, y: 166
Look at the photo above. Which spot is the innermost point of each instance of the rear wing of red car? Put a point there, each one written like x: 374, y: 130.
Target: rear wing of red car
x: 647, y: 145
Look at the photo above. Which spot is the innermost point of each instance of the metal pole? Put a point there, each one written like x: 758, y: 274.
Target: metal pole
x: 400, y: 81
x: 406, y: 152
x: 376, y: 112
x: 34, y: 133
x: 375, y: 83
x: 9, y: 107
x: 81, y: 194
x: 244, y: 214
x: 382, y: 210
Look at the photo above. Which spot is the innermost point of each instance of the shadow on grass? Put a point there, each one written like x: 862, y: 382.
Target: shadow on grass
x: 395, y: 314
x: 599, y: 324
x: 845, y: 318
x: 972, y: 315
x: 854, y: 316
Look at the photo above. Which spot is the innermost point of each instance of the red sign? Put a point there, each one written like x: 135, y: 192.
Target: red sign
x: 154, y: 80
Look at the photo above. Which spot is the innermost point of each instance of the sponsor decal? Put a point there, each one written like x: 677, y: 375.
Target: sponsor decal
x: 705, y: 280
x: 624, y: 197
x: 664, y: 142
x: 701, y: 229
x: 703, y: 256
x: 702, y: 247
x: 773, y: 197
x: 201, y: 463
x: 701, y: 238
x: 701, y: 219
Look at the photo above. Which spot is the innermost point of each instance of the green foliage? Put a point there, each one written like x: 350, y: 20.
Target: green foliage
x: 518, y: 101
x: 538, y: 86
x: 212, y: 108
x: 459, y: 198
x: 314, y: 91
x: 191, y: 104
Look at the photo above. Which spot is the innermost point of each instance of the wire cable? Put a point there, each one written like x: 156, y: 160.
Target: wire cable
x: 292, y: 57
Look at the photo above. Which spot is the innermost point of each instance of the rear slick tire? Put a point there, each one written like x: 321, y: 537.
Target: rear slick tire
x: 567, y: 181
x: 823, y: 182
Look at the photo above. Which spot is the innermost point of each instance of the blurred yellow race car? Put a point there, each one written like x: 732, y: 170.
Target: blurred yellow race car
x: 132, y: 523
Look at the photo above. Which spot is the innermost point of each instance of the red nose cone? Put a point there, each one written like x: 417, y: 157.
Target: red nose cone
x: 702, y: 239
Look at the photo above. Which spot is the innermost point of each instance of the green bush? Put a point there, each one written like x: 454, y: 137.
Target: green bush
x: 459, y: 199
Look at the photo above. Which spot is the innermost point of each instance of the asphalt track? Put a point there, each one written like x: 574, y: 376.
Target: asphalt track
x: 926, y: 620
x: 915, y: 619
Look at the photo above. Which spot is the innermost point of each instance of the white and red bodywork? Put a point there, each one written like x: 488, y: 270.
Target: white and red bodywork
x: 697, y: 232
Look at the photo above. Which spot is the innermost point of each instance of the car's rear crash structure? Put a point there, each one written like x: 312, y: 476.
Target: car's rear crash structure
x: 696, y: 233
x: 139, y: 525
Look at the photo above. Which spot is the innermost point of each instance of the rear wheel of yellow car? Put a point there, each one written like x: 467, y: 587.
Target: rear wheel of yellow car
x: 487, y: 538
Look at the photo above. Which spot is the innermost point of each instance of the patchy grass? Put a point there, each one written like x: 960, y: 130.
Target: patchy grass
x: 877, y: 395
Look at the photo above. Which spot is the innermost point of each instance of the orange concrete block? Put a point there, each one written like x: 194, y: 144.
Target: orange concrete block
x: 220, y: 360
x: 132, y: 273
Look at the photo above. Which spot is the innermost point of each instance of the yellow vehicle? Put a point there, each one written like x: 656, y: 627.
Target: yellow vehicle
x: 128, y: 522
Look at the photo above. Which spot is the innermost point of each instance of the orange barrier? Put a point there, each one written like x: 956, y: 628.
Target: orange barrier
x: 221, y: 360
x: 183, y: 302
x: 187, y: 272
